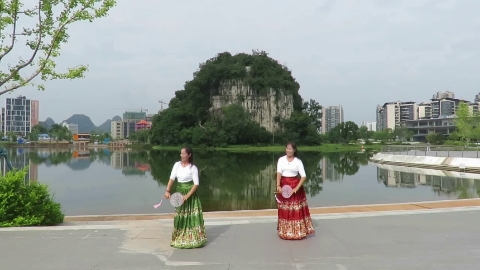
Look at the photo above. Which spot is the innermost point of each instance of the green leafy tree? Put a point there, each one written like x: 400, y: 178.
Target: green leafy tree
x: 36, y: 131
x: 344, y: 132
x: 96, y: 135
x: 39, y: 129
x: 12, y: 136
x: 384, y: 135
x: 363, y: 133
x: 141, y: 136
x: 60, y: 133
x: 314, y: 110
x: 402, y: 134
x: 47, y: 32
x: 299, y: 128
x: 464, y: 123
x: 435, y: 138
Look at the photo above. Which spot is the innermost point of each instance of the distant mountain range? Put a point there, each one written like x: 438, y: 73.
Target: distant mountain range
x: 85, y: 124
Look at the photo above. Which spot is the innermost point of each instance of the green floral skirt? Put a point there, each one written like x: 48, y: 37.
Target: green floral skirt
x: 188, y: 224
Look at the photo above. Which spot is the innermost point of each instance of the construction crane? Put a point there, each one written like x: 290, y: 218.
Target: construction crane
x: 141, y: 109
x: 161, y: 104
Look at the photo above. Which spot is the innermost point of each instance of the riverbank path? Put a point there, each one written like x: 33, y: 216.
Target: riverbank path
x: 442, y: 238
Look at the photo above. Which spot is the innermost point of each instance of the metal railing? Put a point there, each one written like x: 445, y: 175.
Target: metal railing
x: 432, y: 150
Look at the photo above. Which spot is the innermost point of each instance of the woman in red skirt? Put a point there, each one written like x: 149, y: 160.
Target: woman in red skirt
x: 294, y: 221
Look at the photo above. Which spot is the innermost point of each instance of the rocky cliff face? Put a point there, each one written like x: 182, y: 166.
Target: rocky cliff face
x: 263, y: 107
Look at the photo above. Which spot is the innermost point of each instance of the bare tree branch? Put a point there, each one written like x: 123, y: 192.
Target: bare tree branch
x: 59, y: 30
x: 19, y: 67
x: 9, y: 48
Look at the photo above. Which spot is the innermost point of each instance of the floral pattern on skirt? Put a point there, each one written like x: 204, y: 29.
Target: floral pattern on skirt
x: 188, y: 223
x: 294, y: 221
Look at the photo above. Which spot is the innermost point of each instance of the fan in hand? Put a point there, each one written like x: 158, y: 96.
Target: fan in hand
x: 176, y: 199
x: 287, y: 191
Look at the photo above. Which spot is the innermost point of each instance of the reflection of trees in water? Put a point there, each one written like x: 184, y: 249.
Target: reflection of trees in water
x: 348, y: 163
x: 76, y: 160
x: 229, y: 181
x: 233, y: 181
x: 461, y: 188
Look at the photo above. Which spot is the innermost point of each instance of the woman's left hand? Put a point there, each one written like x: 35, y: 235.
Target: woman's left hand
x: 295, y: 190
x: 185, y: 198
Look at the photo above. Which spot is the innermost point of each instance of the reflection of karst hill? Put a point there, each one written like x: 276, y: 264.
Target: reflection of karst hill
x: 79, y: 164
x: 262, y: 185
x: 443, y: 183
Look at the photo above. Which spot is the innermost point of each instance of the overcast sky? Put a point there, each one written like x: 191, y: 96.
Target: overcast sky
x: 357, y: 53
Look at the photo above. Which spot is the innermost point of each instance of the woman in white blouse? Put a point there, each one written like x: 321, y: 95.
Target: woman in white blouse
x: 294, y: 221
x: 188, y: 223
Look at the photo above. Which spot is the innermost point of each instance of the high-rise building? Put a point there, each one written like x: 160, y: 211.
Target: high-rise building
x: 331, y: 116
x: 371, y: 126
x: 391, y: 114
x: 424, y: 110
x: 442, y: 95
x: 445, y: 107
x: 20, y: 115
x: 117, y: 130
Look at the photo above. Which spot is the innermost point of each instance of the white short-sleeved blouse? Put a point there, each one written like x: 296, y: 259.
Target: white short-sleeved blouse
x: 185, y: 174
x: 290, y: 168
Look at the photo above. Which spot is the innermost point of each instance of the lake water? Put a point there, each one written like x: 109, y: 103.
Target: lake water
x: 99, y: 181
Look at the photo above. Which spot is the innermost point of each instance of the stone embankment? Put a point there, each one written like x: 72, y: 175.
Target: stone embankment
x: 462, y: 164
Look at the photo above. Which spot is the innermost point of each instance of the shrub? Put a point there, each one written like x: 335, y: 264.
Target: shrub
x: 26, y: 204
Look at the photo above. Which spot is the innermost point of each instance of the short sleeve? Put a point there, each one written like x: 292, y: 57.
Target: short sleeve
x: 173, y: 174
x: 301, y: 169
x: 196, y: 181
x: 279, y: 166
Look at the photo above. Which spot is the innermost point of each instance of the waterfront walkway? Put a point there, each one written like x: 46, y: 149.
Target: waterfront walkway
x: 440, y: 153
x: 423, y: 238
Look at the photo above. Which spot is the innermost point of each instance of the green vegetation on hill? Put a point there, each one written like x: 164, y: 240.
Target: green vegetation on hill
x: 189, y: 121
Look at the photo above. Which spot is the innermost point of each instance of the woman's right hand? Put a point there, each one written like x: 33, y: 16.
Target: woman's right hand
x: 279, y: 189
x: 167, y: 195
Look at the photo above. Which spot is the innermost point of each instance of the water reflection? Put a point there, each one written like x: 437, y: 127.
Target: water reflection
x: 444, y: 183
x: 99, y: 181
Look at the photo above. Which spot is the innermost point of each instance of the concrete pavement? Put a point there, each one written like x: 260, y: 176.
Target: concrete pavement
x: 410, y: 239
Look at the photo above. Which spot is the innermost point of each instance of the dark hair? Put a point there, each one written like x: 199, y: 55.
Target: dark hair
x: 294, y: 146
x: 189, y: 151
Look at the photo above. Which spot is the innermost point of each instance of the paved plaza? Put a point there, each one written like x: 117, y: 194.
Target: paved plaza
x: 414, y: 239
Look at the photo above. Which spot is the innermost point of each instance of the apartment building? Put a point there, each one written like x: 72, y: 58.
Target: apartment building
x: 331, y: 116
x: 122, y: 129
x: 442, y: 95
x: 371, y: 126
x: 388, y: 115
x: 424, y: 110
x: 117, y: 130
x: 19, y: 115
x: 445, y: 107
